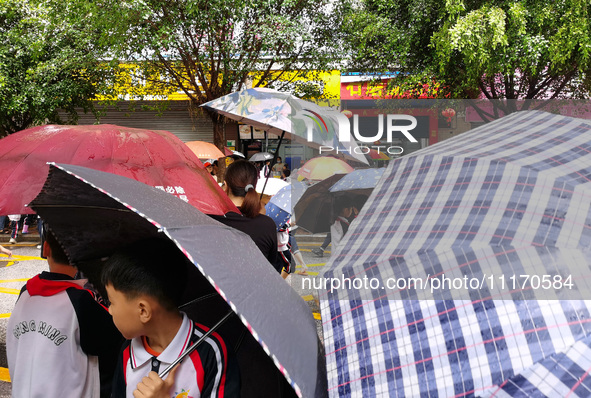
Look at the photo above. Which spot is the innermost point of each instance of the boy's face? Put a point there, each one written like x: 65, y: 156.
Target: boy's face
x: 125, y: 313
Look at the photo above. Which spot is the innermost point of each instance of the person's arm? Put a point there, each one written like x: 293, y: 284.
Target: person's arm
x: 5, y: 251
x: 98, y: 334
x: 97, y: 330
x: 336, y: 232
x: 119, y: 385
x: 272, y: 253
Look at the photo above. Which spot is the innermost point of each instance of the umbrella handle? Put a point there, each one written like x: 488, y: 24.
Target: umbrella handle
x: 273, y: 161
x: 194, y: 346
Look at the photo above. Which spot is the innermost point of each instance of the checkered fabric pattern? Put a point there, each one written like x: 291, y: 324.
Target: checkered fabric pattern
x: 510, y: 197
x: 560, y: 375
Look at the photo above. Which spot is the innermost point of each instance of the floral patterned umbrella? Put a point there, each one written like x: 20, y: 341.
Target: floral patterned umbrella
x: 283, y: 114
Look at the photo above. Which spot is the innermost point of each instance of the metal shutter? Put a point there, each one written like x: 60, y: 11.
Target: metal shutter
x: 176, y: 119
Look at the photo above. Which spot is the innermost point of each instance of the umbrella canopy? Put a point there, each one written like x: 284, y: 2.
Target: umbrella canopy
x: 205, y: 150
x: 281, y: 113
x: 560, y: 375
x: 358, y: 179
x: 280, y: 206
x: 228, y: 151
x: 271, y: 187
x: 239, y: 154
x: 314, y: 210
x: 92, y: 214
x: 322, y: 167
x: 261, y: 157
x: 156, y: 158
x: 509, y: 201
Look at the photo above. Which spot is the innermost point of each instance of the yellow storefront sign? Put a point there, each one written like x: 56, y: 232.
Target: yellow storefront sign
x: 322, y: 87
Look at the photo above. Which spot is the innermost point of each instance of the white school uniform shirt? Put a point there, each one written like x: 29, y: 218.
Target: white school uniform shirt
x: 190, y: 379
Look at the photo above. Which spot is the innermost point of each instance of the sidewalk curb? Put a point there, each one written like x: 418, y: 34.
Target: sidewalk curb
x: 309, y: 238
x: 26, y: 238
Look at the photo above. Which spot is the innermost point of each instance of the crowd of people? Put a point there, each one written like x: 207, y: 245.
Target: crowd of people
x: 14, y: 223
x: 59, y: 328
x: 59, y: 325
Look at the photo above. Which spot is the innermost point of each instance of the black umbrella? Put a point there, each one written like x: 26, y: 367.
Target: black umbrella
x: 93, y: 213
x: 314, y: 212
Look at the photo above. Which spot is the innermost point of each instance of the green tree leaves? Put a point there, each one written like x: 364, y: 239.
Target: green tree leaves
x: 46, y: 64
x: 502, y: 49
x: 210, y: 48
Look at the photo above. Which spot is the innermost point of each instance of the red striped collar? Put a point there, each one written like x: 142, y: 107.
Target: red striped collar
x: 178, y: 345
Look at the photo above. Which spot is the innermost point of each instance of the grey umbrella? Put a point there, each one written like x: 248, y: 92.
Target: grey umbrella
x: 261, y: 157
x: 93, y: 213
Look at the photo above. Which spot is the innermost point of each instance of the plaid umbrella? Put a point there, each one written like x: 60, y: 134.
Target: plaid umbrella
x: 559, y: 375
x: 503, y: 206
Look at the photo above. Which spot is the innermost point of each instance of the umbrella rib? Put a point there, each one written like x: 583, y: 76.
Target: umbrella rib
x: 82, y: 207
x: 207, y: 296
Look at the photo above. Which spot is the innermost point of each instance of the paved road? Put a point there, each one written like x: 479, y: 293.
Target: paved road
x: 26, y: 263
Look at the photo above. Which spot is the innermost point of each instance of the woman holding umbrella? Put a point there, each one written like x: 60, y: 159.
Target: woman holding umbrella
x: 240, y: 181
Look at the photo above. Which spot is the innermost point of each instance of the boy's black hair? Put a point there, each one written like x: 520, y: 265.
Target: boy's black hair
x: 57, y: 252
x: 342, y: 203
x: 154, y: 267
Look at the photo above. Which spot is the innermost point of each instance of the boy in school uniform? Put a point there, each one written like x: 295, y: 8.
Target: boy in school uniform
x: 60, y: 342
x: 144, y: 282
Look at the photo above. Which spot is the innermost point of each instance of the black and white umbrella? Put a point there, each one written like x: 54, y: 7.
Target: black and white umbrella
x: 468, y: 269
x: 93, y: 213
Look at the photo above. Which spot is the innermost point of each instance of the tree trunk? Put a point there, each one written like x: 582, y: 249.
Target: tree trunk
x: 219, y: 136
x: 219, y: 127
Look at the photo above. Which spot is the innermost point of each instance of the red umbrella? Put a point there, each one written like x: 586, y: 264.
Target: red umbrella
x: 373, y: 154
x: 156, y: 158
